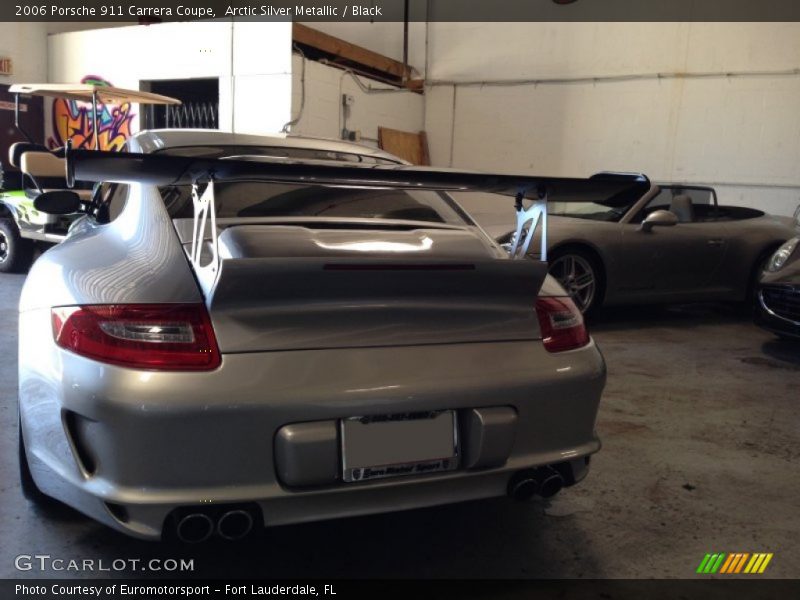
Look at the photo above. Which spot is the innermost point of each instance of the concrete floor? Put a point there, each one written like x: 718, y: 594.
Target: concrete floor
x: 701, y: 426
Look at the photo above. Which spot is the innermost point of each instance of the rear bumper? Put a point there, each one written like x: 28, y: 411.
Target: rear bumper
x: 153, y: 442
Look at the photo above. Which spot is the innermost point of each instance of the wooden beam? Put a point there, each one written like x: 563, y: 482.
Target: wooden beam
x: 351, y: 52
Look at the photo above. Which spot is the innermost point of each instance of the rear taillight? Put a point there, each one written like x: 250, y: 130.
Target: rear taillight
x: 163, y: 337
x: 561, y: 323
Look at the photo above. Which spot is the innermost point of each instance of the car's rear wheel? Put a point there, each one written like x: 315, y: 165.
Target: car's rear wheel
x: 580, y: 276
x: 16, y: 253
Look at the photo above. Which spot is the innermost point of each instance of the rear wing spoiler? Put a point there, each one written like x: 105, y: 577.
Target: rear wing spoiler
x: 164, y: 169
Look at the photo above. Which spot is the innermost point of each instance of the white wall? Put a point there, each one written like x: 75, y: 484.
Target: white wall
x: 741, y: 132
x: 252, y: 61
x: 383, y: 37
x: 467, y: 51
x: 260, y: 82
x: 262, y: 76
x: 26, y: 45
x: 322, y: 115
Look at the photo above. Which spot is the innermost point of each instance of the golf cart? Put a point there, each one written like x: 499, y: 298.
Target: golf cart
x: 22, y: 224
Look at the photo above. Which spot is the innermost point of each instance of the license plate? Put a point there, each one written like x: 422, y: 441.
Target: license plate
x: 398, y: 445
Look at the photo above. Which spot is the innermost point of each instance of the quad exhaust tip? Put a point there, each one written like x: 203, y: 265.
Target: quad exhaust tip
x: 234, y: 524
x: 200, y: 525
x: 195, y: 528
x: 545, y: 482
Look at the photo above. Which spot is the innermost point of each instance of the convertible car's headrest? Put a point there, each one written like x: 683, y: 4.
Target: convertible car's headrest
x: 42, y: 164
x: 17, y: 149
x: 682, y: 208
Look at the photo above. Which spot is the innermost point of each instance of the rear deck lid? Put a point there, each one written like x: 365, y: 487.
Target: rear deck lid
x: 292, y: 288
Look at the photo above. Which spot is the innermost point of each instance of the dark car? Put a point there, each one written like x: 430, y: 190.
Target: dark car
x: 778, y: 308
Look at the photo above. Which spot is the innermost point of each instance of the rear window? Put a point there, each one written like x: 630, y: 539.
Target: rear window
x: 247, y: 199
x: 275, y: 152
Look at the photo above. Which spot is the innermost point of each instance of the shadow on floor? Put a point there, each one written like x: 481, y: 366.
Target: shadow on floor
x: 785, y: 353
x: 448, y: 541
x: 619, y: 318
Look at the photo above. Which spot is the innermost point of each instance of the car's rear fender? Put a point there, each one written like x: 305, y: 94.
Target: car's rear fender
x: 137, y: 258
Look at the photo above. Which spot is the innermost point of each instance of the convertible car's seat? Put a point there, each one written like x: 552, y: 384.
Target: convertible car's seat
x: 682, y: 208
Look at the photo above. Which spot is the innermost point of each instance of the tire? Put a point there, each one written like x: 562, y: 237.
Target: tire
x: 581, y: 276
x: 16, y: 253
x: 29, y: 489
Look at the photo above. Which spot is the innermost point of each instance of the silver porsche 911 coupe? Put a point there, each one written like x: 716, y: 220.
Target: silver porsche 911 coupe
x: 674, y: 243
x: 250, y: 331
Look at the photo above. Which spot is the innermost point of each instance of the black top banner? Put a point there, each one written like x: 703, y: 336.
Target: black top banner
x: 155, y: 11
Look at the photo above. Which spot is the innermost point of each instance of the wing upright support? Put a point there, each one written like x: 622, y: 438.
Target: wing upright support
x: 205, y: 214
x: 528, y: 220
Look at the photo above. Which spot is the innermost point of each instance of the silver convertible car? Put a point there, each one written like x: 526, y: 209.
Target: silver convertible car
x: 250, y: 331
x: 673, y: 243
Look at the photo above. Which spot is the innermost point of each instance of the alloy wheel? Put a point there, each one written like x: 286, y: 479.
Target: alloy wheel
x: 576, y: 275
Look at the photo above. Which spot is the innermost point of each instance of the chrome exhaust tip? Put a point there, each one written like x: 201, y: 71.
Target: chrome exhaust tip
x: 194, y: 528
x: 234, y: 524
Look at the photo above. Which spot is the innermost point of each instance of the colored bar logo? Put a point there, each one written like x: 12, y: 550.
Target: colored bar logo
x: 734, y: 563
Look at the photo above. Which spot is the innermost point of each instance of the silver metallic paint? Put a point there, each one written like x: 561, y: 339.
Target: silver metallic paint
x: 266, y: 304
x: 135, y: 258
x: 152, y: 429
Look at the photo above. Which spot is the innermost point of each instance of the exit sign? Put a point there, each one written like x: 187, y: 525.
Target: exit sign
x: 5, y: 66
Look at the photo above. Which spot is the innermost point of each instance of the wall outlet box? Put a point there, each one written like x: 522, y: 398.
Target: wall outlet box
x: 353, y: 136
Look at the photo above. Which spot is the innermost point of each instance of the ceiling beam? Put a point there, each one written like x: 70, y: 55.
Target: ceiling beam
x: 346, y: 52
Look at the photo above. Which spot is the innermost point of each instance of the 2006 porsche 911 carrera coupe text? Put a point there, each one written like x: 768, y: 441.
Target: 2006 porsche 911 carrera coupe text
x: 247, y: 331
